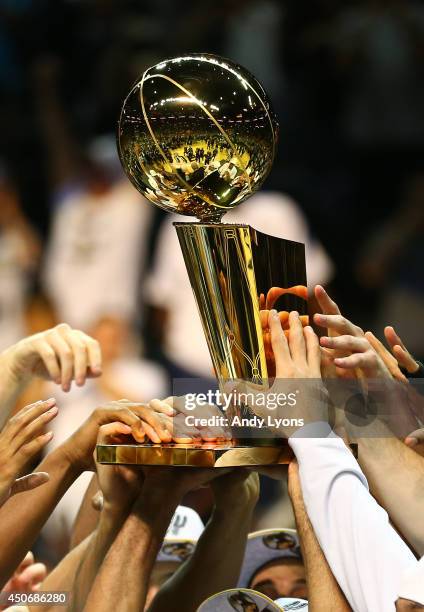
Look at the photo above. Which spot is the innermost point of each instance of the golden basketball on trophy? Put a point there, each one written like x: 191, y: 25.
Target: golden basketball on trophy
x: 197, y: 136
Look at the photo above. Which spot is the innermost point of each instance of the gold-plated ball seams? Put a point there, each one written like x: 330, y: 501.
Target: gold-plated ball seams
x: 197, y: 136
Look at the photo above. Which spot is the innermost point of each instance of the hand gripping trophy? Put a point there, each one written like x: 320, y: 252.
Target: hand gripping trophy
x: 197, y: 136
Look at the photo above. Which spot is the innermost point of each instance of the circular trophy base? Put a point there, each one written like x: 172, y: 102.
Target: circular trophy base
x: 195, y: 455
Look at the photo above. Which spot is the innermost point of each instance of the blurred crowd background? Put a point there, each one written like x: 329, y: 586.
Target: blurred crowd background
x: 79, y: 244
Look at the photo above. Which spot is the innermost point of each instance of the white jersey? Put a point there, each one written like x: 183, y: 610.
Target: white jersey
x: 364, y: 552
x: 93, y: 262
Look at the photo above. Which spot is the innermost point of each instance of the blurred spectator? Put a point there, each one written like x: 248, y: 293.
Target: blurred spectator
x: 96, y: 247
x: 168, y: 289
x: 19, y: 255
x: 98, y: 236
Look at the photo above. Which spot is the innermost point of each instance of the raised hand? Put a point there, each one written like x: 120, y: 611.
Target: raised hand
x: 60, y: 354
x: 21, y: 439
x: 140, y: 418
x: 400, y: 352
x: 389, y: 360
x: 182, y: 433
x: 27, y: 578
x: 360, y: 354
x: 298, y: 375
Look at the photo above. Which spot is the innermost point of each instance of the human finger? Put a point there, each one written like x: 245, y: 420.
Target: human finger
x: 33, y: 428
x: 405, y: 359
x: 109, y: 430
x: 50, y: 360
x: 94, y: 354
x: 296, y: 338
x: 29, y: 482
x: 114, y: 412
x: 338, y: 323
x: 327, y: 305
x: 389, y: 360
x: 32, y: 575
x: 313, y: 351
x: 345, y: 343
x: 80, y: 355
x: 25, y: 417
x: 64, y: 354
x: 280, y: 346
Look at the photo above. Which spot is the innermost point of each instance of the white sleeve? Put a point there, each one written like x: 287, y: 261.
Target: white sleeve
x: 364, y: 552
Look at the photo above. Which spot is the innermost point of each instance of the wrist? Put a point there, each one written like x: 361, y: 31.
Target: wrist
x: 68, y: 460
x: 157, y: 490
x: 112, y: 516
x: 241, y: 500
x: 156, y: 498
x: 14, y: 374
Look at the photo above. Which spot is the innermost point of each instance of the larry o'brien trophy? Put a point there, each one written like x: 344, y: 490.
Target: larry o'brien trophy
x: 197, y: 136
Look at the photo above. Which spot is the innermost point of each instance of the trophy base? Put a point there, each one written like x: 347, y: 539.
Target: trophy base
x: 204, y: 455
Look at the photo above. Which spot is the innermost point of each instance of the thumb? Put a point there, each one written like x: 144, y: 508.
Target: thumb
x: 28, y: 482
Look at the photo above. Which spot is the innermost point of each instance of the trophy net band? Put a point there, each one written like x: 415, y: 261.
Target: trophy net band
x: 238, y: 275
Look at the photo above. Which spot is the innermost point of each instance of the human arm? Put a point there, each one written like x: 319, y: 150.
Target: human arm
x: 384, y: 458
x: 88, y: 516
x: 21, y: 519
x: 23, y: 516
x: 211, y: 569
x: 120, y: 486
x: 364, y: 552
x: 324, y: 594
x: 138, y: 542
x: 61, y: 578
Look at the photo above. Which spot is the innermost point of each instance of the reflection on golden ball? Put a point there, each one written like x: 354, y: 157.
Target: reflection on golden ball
x: 197, y: 135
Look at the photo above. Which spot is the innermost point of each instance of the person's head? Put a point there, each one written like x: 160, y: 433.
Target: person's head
x: 284, y: 577
x: 100, y: 166
x: 239, y: 600
x: 273, y: 564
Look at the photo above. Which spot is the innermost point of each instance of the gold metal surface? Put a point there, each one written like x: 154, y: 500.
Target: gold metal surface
x: 197, y: 135
x: 201, y: 455
x: 237, y: 275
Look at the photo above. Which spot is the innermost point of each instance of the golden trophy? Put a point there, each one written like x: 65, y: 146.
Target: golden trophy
x: 197, y: 136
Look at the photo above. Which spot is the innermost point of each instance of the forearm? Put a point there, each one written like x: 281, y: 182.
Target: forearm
x: 23, y: 515
x: 101, y: 540
x: 385, y: 461
x: 87, y: 517
x: 211, y: 568
x: 12, y: 383
x: 62, y: 577
x: 324, y: 593
x: 124, y: 576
